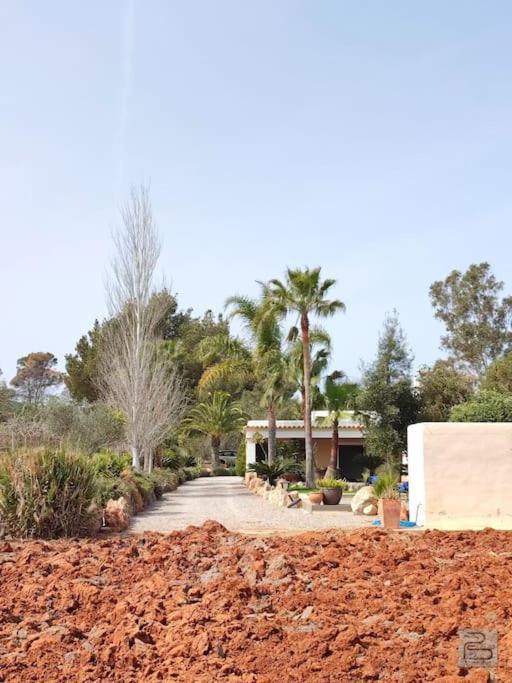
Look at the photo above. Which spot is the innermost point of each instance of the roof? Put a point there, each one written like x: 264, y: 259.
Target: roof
x: 349, y: 422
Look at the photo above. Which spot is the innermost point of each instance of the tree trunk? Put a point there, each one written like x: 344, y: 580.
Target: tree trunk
x: 306, y: 350
x: 271, y: 434
x: 215, y: 451
x: 332, y: 471
x: 135, y: 458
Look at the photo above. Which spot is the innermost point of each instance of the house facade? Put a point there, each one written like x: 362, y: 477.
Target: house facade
x: 350, y: 442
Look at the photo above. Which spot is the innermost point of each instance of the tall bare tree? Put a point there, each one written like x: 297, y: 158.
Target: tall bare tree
x: 133, y: 376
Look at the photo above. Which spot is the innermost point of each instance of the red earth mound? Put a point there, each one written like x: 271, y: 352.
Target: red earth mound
x: 206, y: 605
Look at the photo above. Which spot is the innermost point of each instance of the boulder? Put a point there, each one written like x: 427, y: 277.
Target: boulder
x: 364, y: 502
x: 255, y: 483
x: 404, y: 511
x: 278, y: 497
x: 117, y: 514
x: 263, y: 489
x: 248, y: 477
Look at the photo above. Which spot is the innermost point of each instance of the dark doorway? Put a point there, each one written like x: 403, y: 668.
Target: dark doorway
x: 351, y: 462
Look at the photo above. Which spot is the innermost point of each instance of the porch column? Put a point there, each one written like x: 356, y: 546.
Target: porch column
x: 250, y: 452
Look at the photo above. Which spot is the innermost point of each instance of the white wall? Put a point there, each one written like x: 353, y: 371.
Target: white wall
x: 460, y: 474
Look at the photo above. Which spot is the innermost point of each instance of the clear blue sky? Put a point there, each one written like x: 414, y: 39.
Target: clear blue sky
x: 371, y: 138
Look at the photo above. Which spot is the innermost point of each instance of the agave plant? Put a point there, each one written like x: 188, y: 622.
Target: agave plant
x: 272, y: 471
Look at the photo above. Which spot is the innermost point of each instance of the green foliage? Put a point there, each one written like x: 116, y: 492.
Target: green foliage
x: 486, y: 406
x: 478, y: 322
x: 387, y: 483
x: 499, y: 375
x: 108, y: 462
x: 172, y: 460
x: 81, y: 366
x: 224, y: 471
x: 332, y: 484
x: 6, y: 400
x: 388, y: 402
x: 277, y: 469
x: 47, y: 494
x: 240, y: 466
x: 440, y: 388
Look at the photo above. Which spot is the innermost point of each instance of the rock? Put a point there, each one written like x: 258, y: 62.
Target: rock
x: 364, y: 499
x: 255, y: 483
x: 117, y: 514
x: 248, y: 477
x: 404, y: 510
x: 263, y: 489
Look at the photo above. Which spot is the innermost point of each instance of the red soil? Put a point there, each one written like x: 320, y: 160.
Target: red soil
x: 206, y: 605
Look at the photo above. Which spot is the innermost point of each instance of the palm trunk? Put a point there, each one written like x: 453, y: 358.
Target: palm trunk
x: 306, y: 350
x: 333, y: 471
x: 272, y: 428
x: 215, y: 451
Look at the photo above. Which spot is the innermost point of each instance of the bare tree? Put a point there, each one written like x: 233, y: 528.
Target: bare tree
x: 133, y: 376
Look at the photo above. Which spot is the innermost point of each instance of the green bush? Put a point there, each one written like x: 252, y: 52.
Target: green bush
x: 47, y: 494
x: 486, y: 406
x: 224, y: 471
x: 332, y: 484
x: 108, y: 462
x: 172, y: 460
x: 240, y: 459
x: 111, y: 487
x: 277, y: 469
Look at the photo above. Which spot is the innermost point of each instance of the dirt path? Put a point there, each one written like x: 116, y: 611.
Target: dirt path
x: 226, y: 500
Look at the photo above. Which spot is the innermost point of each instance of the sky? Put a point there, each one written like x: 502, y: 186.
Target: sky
x: 372, y: 139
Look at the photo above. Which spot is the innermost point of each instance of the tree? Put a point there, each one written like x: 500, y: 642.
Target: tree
x: 6, y: 400
x: 35, y: 375
x: 387, y: 402
x: 304, y: 294
x: 271, y: 366
x: 478, y: 322
x: 216, y: 416
x: 320, y: 344
x: 339, y: 396
x: 499, y: 375
x: 486, y: 406
x: 440, y: 388
x: 133, y: 376
x: 82, y: 368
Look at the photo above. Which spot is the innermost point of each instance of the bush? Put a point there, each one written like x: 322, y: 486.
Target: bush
x: 277, y: 469
x: 47, y: 494
x: 108, y: 462
x: 486, y: 406
x: 240, y: 466
x: 332, y: 484
x: 224, y: 471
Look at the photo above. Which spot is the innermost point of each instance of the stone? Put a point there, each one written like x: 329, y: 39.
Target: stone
x: 263, y: 489
x: 364, y: 499
x: 117, y: 514
x: 248, y: 477
x: 404, y: 510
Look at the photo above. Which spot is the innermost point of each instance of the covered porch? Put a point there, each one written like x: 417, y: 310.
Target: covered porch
x: 350, y: 442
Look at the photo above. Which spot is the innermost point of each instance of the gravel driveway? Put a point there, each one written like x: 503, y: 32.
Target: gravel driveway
x: 228, y: 501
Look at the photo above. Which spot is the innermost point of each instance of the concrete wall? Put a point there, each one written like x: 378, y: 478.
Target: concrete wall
x: 460, y: 475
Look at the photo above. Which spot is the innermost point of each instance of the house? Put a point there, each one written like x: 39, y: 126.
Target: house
x: 350, y: 441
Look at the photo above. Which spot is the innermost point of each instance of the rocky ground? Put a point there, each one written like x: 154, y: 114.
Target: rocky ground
x: 206, y: 604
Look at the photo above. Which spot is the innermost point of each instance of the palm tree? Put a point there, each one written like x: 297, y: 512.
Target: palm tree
x: 338, y: 398
x: 270, y: 364
x: 215, y: 417
x: 228, y: 364
x: 304, y: 294
x: 320, y: 343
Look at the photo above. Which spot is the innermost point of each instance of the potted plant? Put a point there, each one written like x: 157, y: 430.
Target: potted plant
x: 332, y: 490
x: 316, y: 497
x: 386, y: 489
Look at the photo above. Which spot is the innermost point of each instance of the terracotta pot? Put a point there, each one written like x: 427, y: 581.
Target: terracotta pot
x: 332, y: 496
x: 391, y: 513
x: 316, y: 497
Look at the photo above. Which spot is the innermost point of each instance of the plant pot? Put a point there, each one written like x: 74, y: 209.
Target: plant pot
x: 391, y: 513
x: 332, y: 496
x: 316, y: 497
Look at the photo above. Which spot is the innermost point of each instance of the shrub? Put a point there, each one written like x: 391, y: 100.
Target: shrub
x: 224, y: 471
x: 172, y: 460
x: 386, y: 485
x: 332, y: 484
x: 486, y: 406
x: 108, y: 462
x: 240, y: 466
x: 276, y: 469
x: 47, y: 494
